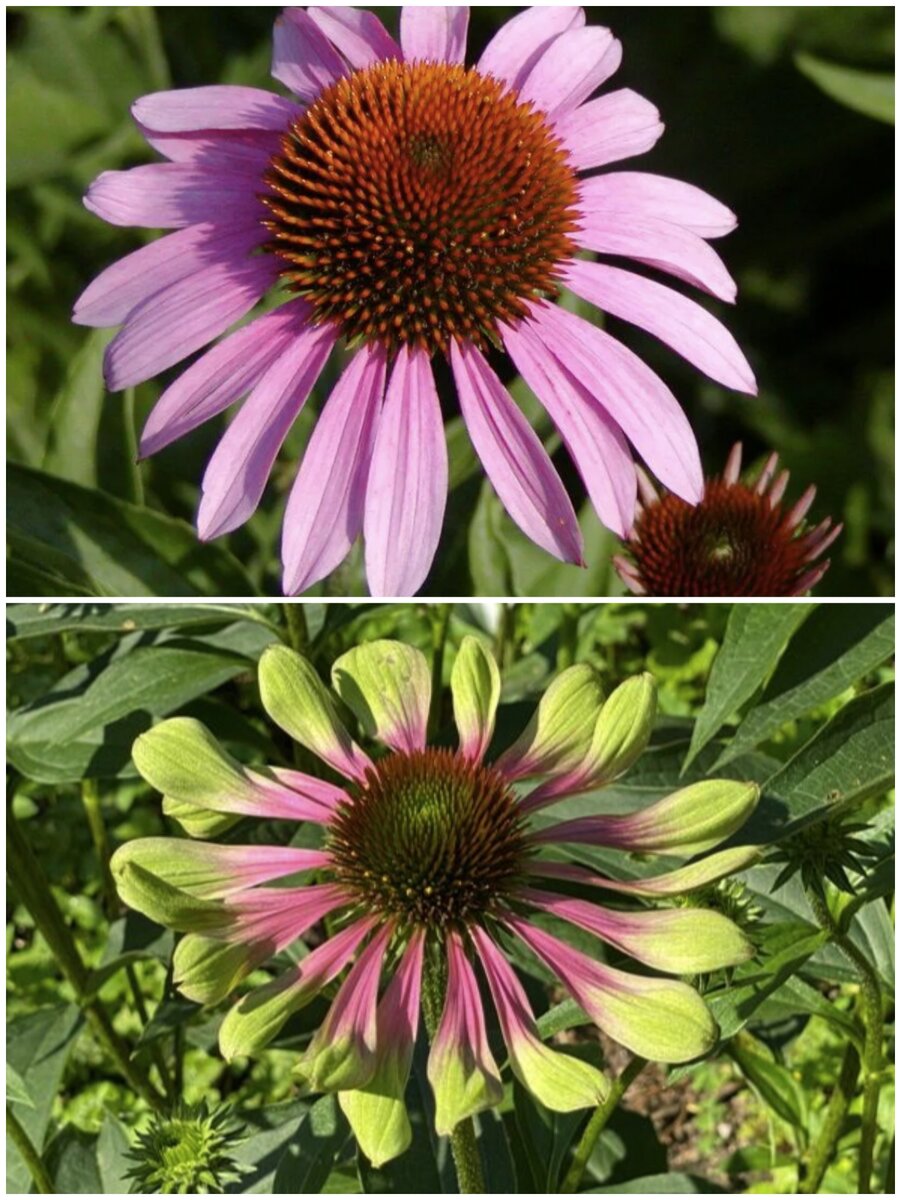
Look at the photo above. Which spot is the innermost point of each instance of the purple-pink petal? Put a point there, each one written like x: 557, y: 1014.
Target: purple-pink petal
x: 248, y: 866
x: 609, y: 129
x: 574, y: 65
x: 406, y: 494
x: 679, y: 322
x: 326, y: 507
x: 222, y: 376
x: 591, y: 436
x: 328, y: 795
x: 183, y: 318
x: 243, y: 150
x: 434, y: 32
x: 237, y: 473
x: 659, y: 244
x: 124, y: 285
x: 174, y: 194
x: 303, y: 58
x: 222, y: 106
x: 277, y: 916
x: 657, y: 196
x: 640, y: 403
x: 517, y: 464
x: 359, y: 35
x: 520, y: 42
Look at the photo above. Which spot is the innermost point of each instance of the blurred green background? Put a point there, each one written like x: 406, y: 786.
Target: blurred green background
x: 783, y: 112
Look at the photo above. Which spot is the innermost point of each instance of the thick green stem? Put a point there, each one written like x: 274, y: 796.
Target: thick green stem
x: 597, y: 1124
x: 296, y: 625
x: 871, y: 1006
x: 463, y: 1141
x: 31, y: 886
x: 36, y: 1169
x: 822, y: 1151
x: 568, y: 643
x: 441, y: 614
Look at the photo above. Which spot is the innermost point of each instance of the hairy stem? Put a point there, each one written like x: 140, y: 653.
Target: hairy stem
x: 33, y: 1161
x: 822, y: 1151
x: 872, y: 1013
x: 31, y: 886
x: 463, y: 1141
x: 597, y: 1124
x: 296, y: 625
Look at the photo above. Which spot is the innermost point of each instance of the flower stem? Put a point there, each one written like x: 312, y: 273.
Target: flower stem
x: 871, y: 1004
x: 296, y: 623
x: 441, y: 614
x: 568, y: 637
x: 30, y: 883
x: 32, y: 1159
x: 822, y: 1151
x: 463, y: 1141
x: 598, y: 1122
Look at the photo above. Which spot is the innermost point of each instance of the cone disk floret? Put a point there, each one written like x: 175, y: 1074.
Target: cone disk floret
x: 429, y: 838
x: 415, y: 203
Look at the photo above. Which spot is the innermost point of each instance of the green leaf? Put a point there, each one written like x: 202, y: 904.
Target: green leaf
x: 775, y: 1085
x: 71, y: 540
x: 84, y: 727
x: 869, y: 92
x: 71, y: 1160
x: 308, y: 1158
x: 838, y: 645
x: 755, y: 637
x: 269, y: 1129
x: 545, y: 1138
x: 133, y: 938
x: 845, y: 763
x: 16, y: 1090
x: 674, y: 1184
x: 43, y: 620
x: 37, y: 1047
x: 113, y: 1162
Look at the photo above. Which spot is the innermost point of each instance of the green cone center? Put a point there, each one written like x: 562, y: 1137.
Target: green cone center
x: 429, y: 838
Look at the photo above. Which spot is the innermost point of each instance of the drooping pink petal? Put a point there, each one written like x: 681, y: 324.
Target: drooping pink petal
x: 659, y: 244
x: 398, y: 1012
x: 244, y: 867
x: 683, y: 325
x: 406, y: 494
x: 636, y: 399
x: 318, y: 790
x: 572, y: 67
x: 174, y: 194
x: 517, y: 464
x: 236, y: 475
x: 222, y: 106
x: 303, y: 58
x: 169, y: 326
x: 325, y: 510
x: 277, y: 916
x: 461, y: 1069
x: 648, y: 195
x: 222, y: 375
x: 434, y: 32
x: 609, y: 129
x: 591, y: 436
x: 123, y: 286
x: 359, y: 35
x: 520, y: 42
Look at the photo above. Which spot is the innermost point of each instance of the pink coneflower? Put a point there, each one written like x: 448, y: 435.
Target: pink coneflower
x: 433, y: 862
x: 409, y: 207
x: 741, y: 540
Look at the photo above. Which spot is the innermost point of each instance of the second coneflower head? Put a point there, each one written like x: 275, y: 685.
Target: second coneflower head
x: 741, y: 540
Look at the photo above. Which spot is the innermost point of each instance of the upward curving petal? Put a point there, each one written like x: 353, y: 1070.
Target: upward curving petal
x: 388, y: 687
x: 560, y: 733
x: 619, y: 125
x: 476, y: 690
x: 239, y: 469
x: 574, y: 65
x: 303, y: 58
x: 520, y: 42
x: 406, y: 494
x: 434, y: 32
x: 357, y: 34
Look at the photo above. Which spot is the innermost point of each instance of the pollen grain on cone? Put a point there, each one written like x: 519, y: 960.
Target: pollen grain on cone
x: 414, y: 204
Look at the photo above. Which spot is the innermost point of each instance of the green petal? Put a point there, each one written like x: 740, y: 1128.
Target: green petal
x: 687, y: 941
x: 298, y: 701
x: 182, y: 759
x: 207, y: 970
x: 559, y: 1081
x: 476, y: 690
x: 463, y: 1086
x: 388, y: 687
x: 559, y: 735
x: 623, y: 729
x: 199, y: 822
x: 694, y: 819
x: 341, y: 1064
x: 692, y: 878
x: 254, y: 1021
x: 663, y: 1020
x: 378, y: 1118
x: 167, y: 905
